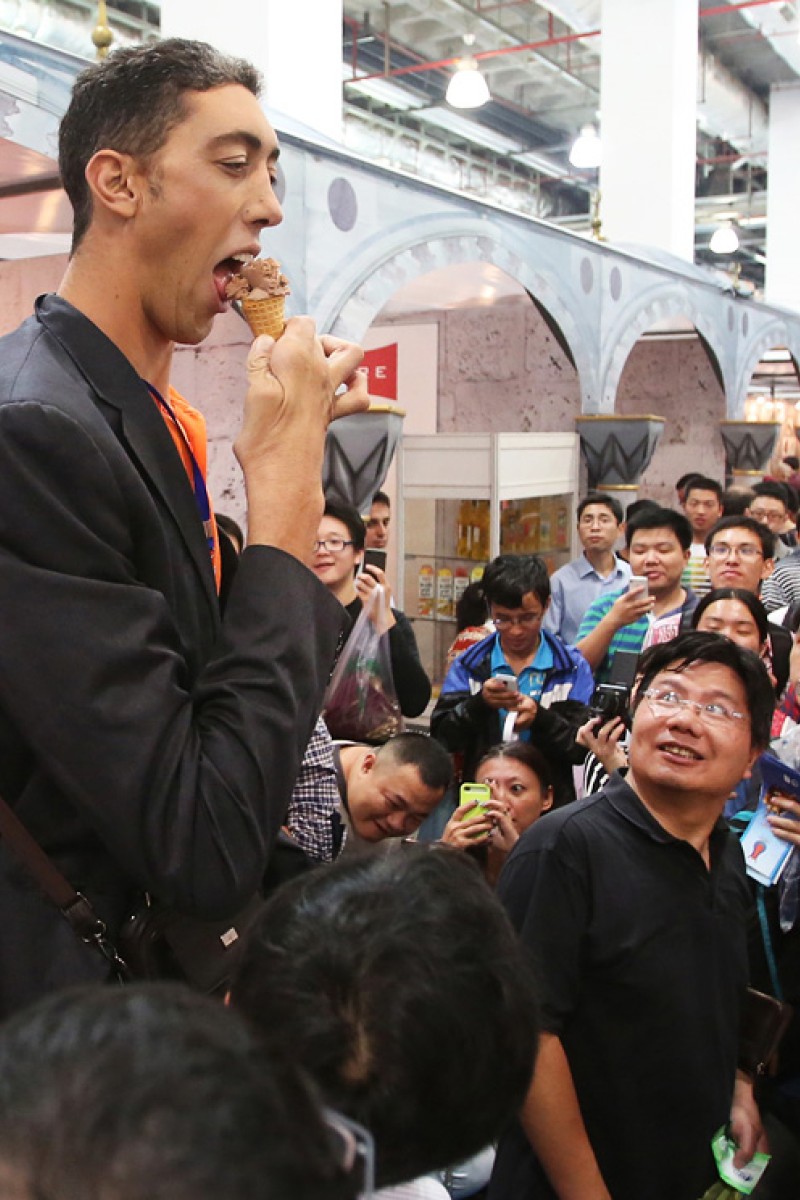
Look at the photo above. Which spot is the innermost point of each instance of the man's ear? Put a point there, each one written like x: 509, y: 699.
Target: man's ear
x: 547, y: 802
x: 754, y: 754
x: 116, y: 182
x: 768, y: 568
x: 368, y: 762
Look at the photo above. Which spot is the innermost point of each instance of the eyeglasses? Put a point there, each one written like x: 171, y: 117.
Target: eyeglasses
x: 525, y: 621
x: 333, y: 545
x: 763, y: 514
x: 665, y: 703
x: 723, y: 550
x: 597, y: 521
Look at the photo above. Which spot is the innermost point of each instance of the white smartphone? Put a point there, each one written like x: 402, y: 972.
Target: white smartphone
x: 510, y: 682
x: 638, y: 581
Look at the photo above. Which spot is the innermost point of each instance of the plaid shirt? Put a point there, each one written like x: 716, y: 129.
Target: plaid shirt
x: 315, y: 804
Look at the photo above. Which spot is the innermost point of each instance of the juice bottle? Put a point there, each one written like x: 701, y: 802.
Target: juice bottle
x: 444, y: 593
x: 425, y: 590
x: 460, y: 584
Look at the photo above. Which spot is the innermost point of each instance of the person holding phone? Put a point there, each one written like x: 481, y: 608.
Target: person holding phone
x: 518, y: 682
x: 338, y: 552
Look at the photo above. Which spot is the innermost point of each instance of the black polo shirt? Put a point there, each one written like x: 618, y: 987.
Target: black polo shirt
x: 641, y: 957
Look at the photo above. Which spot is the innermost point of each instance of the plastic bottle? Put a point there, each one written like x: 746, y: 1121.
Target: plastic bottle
x: 444, y: 594
x: 425, y: 590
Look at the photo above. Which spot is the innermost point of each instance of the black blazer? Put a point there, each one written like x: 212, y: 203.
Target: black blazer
x: 145, y: 743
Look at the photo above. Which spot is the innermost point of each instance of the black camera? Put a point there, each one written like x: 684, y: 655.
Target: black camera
x: 610, y: 700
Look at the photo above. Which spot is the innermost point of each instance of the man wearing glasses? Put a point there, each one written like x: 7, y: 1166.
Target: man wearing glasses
x: 517, y: 682
x: 633, y: 903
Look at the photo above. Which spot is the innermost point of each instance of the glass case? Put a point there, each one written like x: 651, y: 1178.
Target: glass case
x: 467, y: 498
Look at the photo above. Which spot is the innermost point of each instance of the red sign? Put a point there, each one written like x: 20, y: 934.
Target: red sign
x: 382, y: 367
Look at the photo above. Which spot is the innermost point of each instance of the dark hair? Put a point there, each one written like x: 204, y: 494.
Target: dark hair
x: 702, y: 483
x: 792, y: 461
x: 423, y: 752
x: 773, y: 489
x: 471, y: 608
x: 684, y: 479
x: 637, y: 506
x: 660, y: 518
x: 131, y: 102
x: 402, y: 989
x: 736, y: 501
x: 381, y: 498
x: 231, y: 528
x: 695, y: 647
x: 350, y: 517
x: 610, y: 502
x: 509, y: 577
x: 751, y: 603
x: 765, y: 534
x: 152, y: 1092
x: 525, y: 753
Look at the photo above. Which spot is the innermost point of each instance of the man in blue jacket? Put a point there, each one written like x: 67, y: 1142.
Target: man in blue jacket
x: 518, y: 682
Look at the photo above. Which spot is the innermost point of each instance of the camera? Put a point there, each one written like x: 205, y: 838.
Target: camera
x: 610, y: 700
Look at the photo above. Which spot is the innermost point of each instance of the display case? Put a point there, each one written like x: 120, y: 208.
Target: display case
x: 466, y: 497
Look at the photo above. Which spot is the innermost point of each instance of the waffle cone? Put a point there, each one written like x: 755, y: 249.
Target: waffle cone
x: 265, y: 316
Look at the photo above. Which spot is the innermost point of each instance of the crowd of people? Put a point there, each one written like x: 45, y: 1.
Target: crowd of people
x: 542, y: 1000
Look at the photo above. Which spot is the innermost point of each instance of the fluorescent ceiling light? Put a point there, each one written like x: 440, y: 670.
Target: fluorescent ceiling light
x: 587, y: 150
x: 724, y: 240
x: 467, y: 87
x: 471, y: 131
x: 386, y: 92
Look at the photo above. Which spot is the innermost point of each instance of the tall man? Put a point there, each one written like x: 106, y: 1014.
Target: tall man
x: 148, y: 745
x: 633, y: 904
x: 597, y: 572
x: 378, y: 521
x: 658, y: 542
x: 702, y: 503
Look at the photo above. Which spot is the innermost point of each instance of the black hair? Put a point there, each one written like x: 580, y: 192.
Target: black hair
x: 792, y: 461
x: 689, y: 648
x: 751, y: 603
x: 684, y: 479
x: 609, y: 502
x: 402, y: 989
x: 660, y: 518
x: 774, y: 490
x: 350, y: 517
x: 509, y: 577
x: 131, y: 102
x: 637, y: 506
x: 381, y: 498
x: 702, y: 483
x: 524, y: 753
x: 736, y: 501
x: 231, y: 528
x: 753, y: 526
x: 423, y: 752
x: 153, y: 1092
x: 471, y: 608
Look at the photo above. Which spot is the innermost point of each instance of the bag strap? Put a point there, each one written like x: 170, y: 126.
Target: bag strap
x: 73, y: 905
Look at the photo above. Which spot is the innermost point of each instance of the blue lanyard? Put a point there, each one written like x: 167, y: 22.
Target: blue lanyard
x: 198, y: 482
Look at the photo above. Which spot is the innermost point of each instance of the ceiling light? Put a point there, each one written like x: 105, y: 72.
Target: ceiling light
x: 587, y: 149
x: 467, y: 87
x: 724, y: 240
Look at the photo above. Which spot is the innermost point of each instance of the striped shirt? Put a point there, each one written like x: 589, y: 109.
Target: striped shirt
x: 695, y: 575
x: 640, y: 633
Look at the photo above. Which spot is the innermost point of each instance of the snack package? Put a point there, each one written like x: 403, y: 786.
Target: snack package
x: 260, y: 290
x: 361, y: 704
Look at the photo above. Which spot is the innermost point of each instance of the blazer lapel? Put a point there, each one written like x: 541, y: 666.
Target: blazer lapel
x: 113, y: 379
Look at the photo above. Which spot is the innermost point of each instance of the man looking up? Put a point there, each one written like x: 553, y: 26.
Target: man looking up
x: 380, y: 515
x: 702, y: 503
x: 597, y: 571
x: 658, y: 542
x: 148, y: 745
x: 634, y: 904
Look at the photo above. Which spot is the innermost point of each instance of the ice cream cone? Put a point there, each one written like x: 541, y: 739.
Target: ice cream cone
x: 265, y: 316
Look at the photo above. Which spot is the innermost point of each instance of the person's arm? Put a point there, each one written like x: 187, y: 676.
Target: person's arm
x: 411, y: 683
x: 552, y: 1121
x: 594, y: 640
x: 746, y: 1127
x: 555, y: 609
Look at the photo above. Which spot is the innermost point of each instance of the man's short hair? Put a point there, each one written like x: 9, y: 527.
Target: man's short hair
x: 152, y: 1092
x: 774, y: 490
x: 350, y: 517
x: 702, y: 483
x: 660, y: 518
x: 736, y: 501
x: 402, y: 989
x: 610, y: 502
x: 762, y: 532
x: 695, y: 647
x: 131, y: 102
x: 425, y: 753
x: 509, y: 577
x: 381, y: 498
x: 684, y: 479
x: 637, y: 506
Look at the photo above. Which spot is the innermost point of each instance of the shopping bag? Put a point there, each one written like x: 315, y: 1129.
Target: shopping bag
x: 361, y: 703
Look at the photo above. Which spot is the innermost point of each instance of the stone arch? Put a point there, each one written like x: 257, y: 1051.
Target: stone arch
x: 775, y: 333
x: 377, y: 272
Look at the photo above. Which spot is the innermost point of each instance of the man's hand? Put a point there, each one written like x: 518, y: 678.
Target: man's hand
x: 497, y: 694
x: 629, y: 607
x: 746, y: 1128
x: 603, y: 738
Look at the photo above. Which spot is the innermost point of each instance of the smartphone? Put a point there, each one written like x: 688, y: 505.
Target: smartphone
x: 638, y: 581
x: 375, y: 558
x: 509, y: 681
x: 474, y: 795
